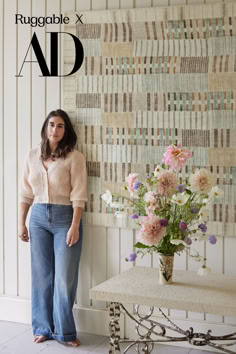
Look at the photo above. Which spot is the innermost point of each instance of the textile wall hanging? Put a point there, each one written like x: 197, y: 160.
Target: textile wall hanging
x: 152, y: 77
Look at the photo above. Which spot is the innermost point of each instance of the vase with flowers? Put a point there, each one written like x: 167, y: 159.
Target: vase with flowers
x: 172, y: 213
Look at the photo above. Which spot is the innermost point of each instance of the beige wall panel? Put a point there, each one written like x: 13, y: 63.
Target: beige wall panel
x: 10, y: 151
x: 143, y: 3
x: 1, y: 153
x: 160, y: 2
x: 85, y: 268
x: 53, y: 94
x: 113, y: 4
x: 99, y: 258
x: 126, y: 4
x: 98, y: 5
x: 24, y: 110
x: 113, y: 251
x: 83, y: 5
x: 178, y: 2
x: 39, y: 93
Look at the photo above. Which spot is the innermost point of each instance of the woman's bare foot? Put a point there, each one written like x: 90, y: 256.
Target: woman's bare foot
x: 74, y: 343
x: 40, y: 339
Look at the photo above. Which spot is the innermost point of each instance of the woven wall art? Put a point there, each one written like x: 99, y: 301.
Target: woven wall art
x: 152, y: 77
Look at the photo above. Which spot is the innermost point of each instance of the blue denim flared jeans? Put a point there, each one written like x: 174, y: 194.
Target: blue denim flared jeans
x: 54, y: 268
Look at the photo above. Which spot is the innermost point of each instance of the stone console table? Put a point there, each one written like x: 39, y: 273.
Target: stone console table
x: 214, y: 294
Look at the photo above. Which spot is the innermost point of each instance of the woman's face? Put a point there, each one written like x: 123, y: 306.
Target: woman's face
x: 55, y: 129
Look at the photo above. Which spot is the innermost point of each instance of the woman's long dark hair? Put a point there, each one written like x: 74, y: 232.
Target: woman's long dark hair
x: 66, y: 144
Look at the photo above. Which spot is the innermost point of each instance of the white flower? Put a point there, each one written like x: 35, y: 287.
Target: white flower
x: 180, y: 198
x: 158, y: 170
x: 204, y: 214
x: 150, y: 197
x: 107, y: 197
x: 216, y: 192
x: 177, y: 242
x: 207, y: 201
x: 204, y: 271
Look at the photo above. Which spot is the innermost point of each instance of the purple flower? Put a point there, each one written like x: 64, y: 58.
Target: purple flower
x: 182, y: 225
x: 194, y: 210
x: 133, y: 216
x: 188, y: 240
x: 202, y: 227
x: 164, y: 222
x: 212, y: 239
x: 180, y: 188
x: 132, y: 257
x: 136, y: 185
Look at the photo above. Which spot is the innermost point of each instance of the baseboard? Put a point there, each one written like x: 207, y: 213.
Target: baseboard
x: 88, y: 320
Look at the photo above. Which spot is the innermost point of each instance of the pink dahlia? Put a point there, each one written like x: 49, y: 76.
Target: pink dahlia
x: 202, y: 181
x: 167, y: 183
x: 131, y: 182
x: 151, y: 231
x: 176, y: 157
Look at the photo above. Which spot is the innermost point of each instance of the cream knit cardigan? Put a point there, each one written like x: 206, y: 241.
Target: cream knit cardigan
x: 65, y: 181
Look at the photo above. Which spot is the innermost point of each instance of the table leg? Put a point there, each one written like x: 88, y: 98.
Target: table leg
x: 114, y: 328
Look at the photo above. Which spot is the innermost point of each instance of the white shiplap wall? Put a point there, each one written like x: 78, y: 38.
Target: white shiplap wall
x: 24, y: 103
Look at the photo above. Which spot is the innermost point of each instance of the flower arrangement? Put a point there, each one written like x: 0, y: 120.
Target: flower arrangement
x: 171, y: 214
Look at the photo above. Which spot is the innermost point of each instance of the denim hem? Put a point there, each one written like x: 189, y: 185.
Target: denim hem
x: 43, y: 333
x: 66, y: 338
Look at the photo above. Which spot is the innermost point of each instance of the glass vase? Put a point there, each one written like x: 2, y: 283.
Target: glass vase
x: 166, y: 264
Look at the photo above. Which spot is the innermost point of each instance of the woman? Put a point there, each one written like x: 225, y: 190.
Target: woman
x: 55, y: 182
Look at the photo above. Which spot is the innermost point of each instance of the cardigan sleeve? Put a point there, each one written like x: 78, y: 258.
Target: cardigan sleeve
x: 79, y: 194
x: 26, y: 192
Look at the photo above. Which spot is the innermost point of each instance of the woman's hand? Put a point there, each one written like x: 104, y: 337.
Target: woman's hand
x: 23, y: 233
x: 72, y: 235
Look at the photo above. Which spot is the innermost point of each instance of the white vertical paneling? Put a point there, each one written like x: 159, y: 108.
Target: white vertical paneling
x: 126, y: 4
x: 53, y: 99
x: 38, y: 83
x: 180, y: 263
x: 195, y: 2
x: 1, y: 151
x: 10, y: 151
x: 126, y: 248
x: 155, y: 260
x: 113, y: 4
x: 113, y: 251
x: 66, y: 5
x: 229, y: 256
x: 83, y: 5
x: 215, y: 262
x: 178, y: 2
x: 24, y: 137
x: 99, y: 5
x: 230, y: 265
x: 85, y: 277
x: 99, y: 258
x: 194, y: 266
x: 160, y: 2
x: 143, y: 3
x: 215, y: 255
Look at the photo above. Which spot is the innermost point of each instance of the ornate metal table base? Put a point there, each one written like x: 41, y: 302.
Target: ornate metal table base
x: 145, y: 344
